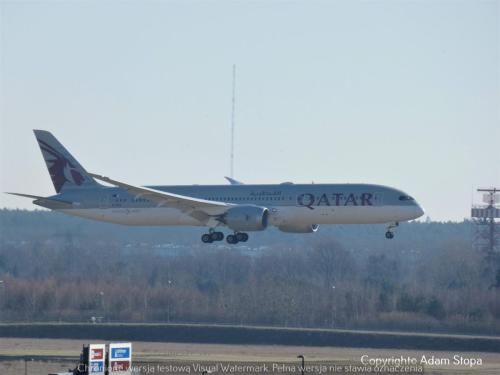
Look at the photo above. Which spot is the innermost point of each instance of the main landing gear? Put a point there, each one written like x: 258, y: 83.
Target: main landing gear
x: 237, y: 237
x: 389, y: 234
x: 212, y: 236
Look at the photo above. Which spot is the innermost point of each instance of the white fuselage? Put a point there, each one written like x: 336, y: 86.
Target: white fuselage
x: 158, y: 216
x: 294, y: 205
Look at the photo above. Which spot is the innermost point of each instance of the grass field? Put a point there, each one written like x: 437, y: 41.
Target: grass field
x: 52, y: 355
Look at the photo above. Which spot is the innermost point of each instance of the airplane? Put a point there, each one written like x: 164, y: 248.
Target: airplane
x: 242, y: 208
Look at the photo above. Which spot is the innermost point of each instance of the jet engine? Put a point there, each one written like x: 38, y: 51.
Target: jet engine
x: 247, y: 218
x: 292, y: 228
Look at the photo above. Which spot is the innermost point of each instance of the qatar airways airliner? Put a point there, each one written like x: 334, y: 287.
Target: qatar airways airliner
x: 241, y: 208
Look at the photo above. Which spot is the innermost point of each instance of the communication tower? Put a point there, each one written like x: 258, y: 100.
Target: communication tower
x: 233, y: 102
x: 487, y: 225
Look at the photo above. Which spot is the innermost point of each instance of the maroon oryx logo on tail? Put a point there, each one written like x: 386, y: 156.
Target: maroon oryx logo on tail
x: 60, y: 168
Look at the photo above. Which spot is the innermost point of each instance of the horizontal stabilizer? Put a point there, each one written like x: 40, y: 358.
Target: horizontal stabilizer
x: 46, y: 202
x: 26, y: 195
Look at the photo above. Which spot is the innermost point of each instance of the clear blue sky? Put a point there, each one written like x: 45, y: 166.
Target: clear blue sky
x: 403, y: 93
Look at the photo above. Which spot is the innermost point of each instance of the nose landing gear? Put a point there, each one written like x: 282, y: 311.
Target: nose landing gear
x: 390, y: 234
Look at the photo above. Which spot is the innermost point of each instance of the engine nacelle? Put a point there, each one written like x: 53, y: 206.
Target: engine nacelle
x: 247, y: 218
x: 299, y: 228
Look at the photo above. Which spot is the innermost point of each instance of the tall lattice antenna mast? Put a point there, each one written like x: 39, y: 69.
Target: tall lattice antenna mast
x: 232, y: 121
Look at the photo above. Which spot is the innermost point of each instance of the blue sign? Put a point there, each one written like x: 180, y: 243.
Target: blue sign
x: 120, y: 353
x: 97, y: 366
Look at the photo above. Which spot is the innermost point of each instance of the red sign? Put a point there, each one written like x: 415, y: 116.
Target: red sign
x: 120, y: 366
x: 96, y: 354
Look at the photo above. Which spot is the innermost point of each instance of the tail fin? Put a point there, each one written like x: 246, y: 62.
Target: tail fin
x: 64, y: 170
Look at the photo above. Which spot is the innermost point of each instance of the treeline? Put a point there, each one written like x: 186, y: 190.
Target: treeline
x: 407, y: 284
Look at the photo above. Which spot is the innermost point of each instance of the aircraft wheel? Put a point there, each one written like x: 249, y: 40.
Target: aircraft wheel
x: 389, y: 235
x: 242, y: 237
x: 206, y: 238
x: 215, y: 236
x: 231, y: 239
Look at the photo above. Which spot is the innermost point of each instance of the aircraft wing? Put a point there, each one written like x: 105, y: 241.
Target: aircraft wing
x: 232, y: 181
x: 200, y: 209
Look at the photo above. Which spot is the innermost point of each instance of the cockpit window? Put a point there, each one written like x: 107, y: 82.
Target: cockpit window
x: 405, y: 198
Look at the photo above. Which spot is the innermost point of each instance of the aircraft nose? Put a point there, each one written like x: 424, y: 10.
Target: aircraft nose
x: 419, y: 211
